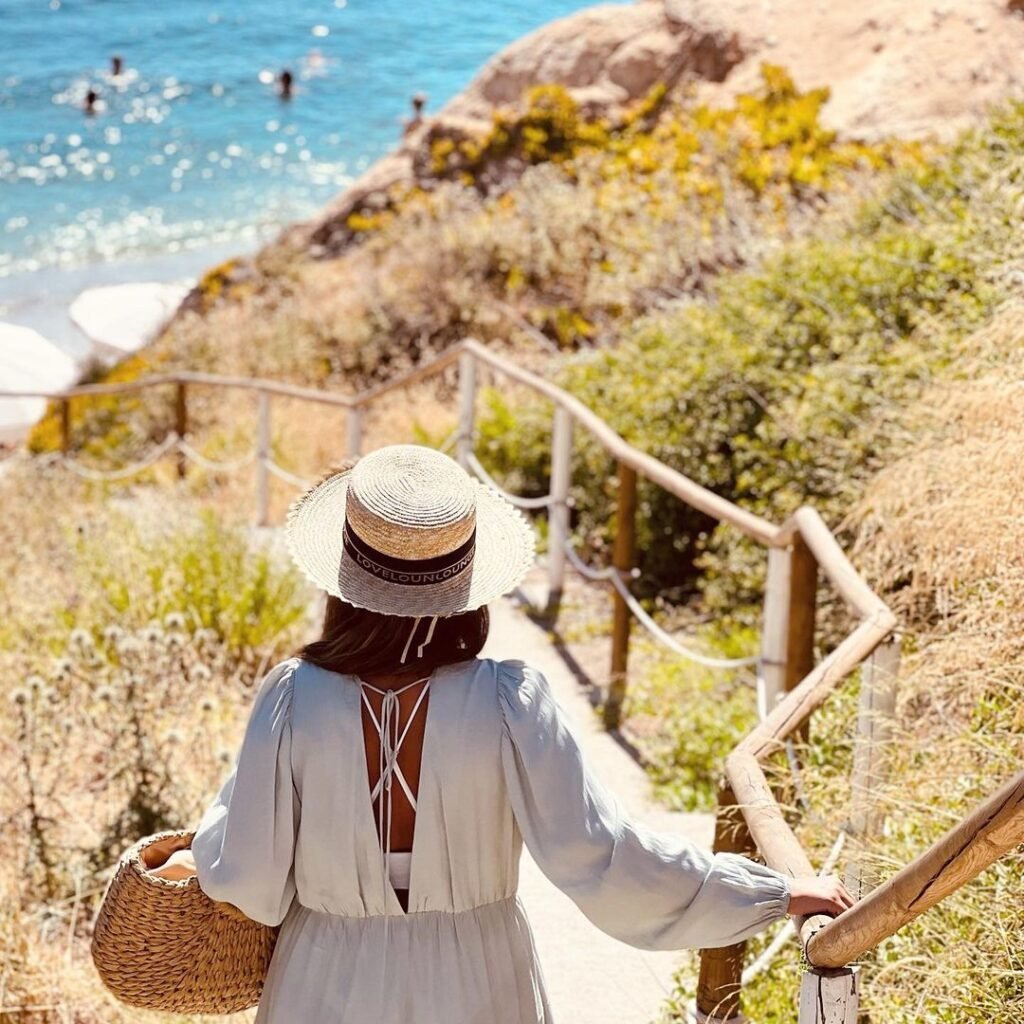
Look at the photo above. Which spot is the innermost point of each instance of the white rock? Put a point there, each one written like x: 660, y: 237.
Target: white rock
x: 119, y: 319
x: 28, y: 362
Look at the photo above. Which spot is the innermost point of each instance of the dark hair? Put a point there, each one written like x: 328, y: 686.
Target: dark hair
x: 355, y: 641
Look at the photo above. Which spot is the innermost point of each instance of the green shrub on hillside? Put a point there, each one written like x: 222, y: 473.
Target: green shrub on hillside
x: 205, y: 571
x: 785, y: 385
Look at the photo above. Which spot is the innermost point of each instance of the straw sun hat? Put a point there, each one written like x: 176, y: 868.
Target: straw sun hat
x: 407, y: 531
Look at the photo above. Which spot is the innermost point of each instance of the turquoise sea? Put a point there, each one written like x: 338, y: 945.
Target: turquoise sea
x: 191, y: 143
x: 191, y: 150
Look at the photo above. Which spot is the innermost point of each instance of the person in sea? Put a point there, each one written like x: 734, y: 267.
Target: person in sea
x: 92, y: 97
x: 419, y: 101
x: 389, y: 777
x: 285, y: 84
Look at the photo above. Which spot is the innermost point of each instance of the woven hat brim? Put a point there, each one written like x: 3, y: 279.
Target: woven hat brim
x: 504, y: 553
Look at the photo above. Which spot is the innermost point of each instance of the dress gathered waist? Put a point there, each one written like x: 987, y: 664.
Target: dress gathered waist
x: 511, y: 900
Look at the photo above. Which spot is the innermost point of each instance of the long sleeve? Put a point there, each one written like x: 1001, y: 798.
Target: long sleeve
x: 244, y: 844
x: 654, y: 890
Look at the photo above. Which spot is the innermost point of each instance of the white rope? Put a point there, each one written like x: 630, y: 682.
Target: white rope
x: 168, y: 444
x: 515, y: 499
x: 215, y: 467
x: 594, y: 575
x: 283, y: 474
x: 449, y: 442
x: 614, y: 577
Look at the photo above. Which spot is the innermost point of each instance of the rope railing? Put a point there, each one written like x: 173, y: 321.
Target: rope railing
x: 288, y: 477
x: 613, y: 577
x: 543, y: 501
x: 212, y: 465
x: 169, y: 444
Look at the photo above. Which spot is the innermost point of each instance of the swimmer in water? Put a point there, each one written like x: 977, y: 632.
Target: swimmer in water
x: 91, y: 99
x: 418, y: 102
x: 116, y: 66
x: 284, y: 84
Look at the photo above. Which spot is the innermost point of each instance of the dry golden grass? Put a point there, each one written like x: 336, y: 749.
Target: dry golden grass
x: 131, y: 633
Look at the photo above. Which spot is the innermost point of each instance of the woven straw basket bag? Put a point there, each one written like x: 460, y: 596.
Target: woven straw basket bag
x: 165, y: 945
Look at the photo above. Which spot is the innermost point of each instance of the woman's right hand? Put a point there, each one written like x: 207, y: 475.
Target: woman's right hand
x: 825, y: 895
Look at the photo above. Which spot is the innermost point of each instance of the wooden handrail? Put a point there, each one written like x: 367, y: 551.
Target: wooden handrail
x: 814, y: 532
x: 771, y: 832
x: 403, y: 380
x: 671, y: 480
x: 992, y: 829
x: 796, y: 708
x: 685, y: 489
x: 270, y: 387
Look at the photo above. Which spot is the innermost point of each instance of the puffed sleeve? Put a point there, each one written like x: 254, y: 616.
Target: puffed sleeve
x: 654, y: 890
x: 244, y: 844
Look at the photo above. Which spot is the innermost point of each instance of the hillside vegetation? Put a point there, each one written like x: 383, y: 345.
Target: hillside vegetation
x: 940, y: 531
x: 787, y: 383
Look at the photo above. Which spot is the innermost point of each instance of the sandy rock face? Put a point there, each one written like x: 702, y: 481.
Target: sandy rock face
x: 612, y: 52
x: 894, y: 67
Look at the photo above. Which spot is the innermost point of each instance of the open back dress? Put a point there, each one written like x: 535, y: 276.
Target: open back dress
x: 291, y: 838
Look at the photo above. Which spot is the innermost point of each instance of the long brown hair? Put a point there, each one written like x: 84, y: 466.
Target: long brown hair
x: 355, y: 641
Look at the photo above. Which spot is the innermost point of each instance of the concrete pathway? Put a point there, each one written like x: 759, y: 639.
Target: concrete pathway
x: 591, y: 978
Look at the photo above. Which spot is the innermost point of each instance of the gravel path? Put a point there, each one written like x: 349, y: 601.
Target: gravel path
x: 591, y: 978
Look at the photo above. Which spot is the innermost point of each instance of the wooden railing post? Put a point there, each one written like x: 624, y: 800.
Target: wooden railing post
x: 262, y: 460
x: 871, y: 755
x: 467, y: 408
x: 622, y: 559
x: 829, y: 996
x: 354, y: 432
x: 558, y: 511
x: 721, y: 970
x: 65, y: 424
x: 774, y: 630
x: 787, y: 632
x: 803, y: 599
x: 181, y: 424
x: 803, y: 602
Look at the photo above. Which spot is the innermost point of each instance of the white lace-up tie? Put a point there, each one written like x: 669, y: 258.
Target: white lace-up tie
x: 391, y: 740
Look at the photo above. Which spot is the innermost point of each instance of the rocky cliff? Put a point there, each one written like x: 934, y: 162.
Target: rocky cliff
x: 908, y: 67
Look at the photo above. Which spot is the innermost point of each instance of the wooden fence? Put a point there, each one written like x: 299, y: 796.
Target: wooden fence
x: 798, y: 552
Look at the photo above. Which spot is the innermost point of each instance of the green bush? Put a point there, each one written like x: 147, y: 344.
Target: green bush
x: 208, y: 571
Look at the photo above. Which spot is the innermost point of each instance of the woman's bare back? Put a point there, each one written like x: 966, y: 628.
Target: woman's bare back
x: 410, y: 753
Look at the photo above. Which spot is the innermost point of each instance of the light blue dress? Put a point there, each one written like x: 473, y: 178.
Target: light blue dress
x: 291, y: 839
